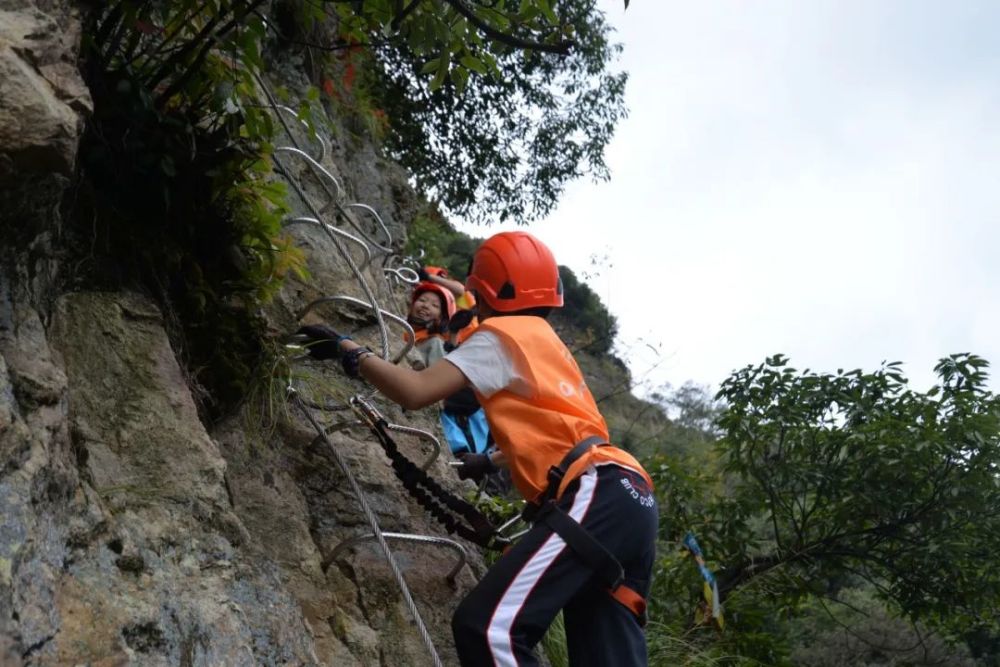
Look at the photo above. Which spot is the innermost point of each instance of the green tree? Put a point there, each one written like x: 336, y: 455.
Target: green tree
x: 174, y: 194
x: 857, y: 471
x: 494, y: 106
x: 847, y: 475
x: 692, y: 407
x: 859, y: 631
x: 432, y: 238
x: 582, y: 309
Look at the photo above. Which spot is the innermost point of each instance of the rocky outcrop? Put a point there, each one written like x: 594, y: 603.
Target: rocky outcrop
x: 119, y: 541
x: 41, y: 101
x: 131, y: 536
x: 42, y: 95
x: 130, y: 532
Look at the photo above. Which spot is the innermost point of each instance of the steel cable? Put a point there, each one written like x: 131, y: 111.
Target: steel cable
x: 375, y: 528
x: 383, y: 332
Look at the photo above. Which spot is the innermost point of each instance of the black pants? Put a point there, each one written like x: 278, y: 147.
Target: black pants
x: 507, y: 613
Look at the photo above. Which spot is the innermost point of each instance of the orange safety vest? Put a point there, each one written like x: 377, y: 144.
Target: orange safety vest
x: 420, y: 335
x: 535, y: 432
x: 462, y: 335
x: 466, y: 301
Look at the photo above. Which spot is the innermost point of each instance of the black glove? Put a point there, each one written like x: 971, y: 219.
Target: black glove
x: 323, y: 343
x: 439, y: 327
x: 423, y: 275
x: 460, y: 320
x: 475, y: 466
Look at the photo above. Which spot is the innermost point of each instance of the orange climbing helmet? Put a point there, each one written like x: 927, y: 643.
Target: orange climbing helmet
x: 436, y: 271
x: 465, y: 301
x: 513, y: 271
x: 447, y: 298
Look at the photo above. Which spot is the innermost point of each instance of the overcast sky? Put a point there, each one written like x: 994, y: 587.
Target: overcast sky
x: 820, y: 179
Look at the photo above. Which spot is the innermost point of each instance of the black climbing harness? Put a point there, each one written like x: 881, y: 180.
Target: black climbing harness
x: 606, y: 567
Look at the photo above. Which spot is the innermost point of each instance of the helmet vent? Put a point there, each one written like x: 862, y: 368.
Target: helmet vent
x: 506, y: 291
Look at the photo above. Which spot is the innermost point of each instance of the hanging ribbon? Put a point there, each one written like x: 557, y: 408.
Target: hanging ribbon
x: 710, y: 587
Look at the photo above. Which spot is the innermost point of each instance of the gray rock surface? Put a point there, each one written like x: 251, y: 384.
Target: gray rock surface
x: 42, y: 95
x: 130, y: 532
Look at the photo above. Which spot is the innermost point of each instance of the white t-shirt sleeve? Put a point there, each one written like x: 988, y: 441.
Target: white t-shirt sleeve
x: 487, y: 365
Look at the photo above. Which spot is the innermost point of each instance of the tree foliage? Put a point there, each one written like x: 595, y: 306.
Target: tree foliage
x: 583, y: 309
x: 432, y: 239
x: 856, y: 472
x: 859, y: 631
x: 180, y: 130
x: 174, y: 194
x: 853, y: 475
x: 493, y: 107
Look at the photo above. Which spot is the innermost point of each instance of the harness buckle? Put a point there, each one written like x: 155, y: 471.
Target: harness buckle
x: 532, y: 512
x: 555, y: 477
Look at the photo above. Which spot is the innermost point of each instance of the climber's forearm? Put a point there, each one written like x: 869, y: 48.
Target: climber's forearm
x: 453, y: 286
x: 409, y: 388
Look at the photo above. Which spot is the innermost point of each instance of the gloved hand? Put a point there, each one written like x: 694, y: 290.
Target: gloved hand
x: 475, y: 466
x: 439, y: 327
x: 423, y: 275
x: 323, y: 343
x: 460, y: 320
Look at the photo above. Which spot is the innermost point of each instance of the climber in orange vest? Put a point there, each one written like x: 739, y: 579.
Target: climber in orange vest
x: 591, y: 549
x: 434, y: 302
x: 436, y: 331
x: 464, y: 299
x: 432, y: 305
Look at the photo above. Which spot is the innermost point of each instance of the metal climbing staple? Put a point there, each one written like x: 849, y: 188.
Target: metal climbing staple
x: 384, y: 314
x: 403, y: 537
x: 454, y: 513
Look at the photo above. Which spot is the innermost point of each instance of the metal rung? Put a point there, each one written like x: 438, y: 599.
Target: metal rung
x: 435, y: 453
x: 314, y: 164
x: 398, y: 428
x: 404, y: 274
x: 305, y: 220
x: 313, y: 135
x: 403, y: 537
x: 358, y: 302
x: 320, y: 169
x: 377, y: 534
x: 363, y: 406
x: 348, y: 215
x: 296, y: 399
x: 426, y: 435
x: 378, y: 219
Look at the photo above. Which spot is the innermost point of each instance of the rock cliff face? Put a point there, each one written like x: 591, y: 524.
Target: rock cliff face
x: 43, y: 95
x: 130, y: 532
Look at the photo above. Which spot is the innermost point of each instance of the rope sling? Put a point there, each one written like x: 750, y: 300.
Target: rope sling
x: 447, y: 508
